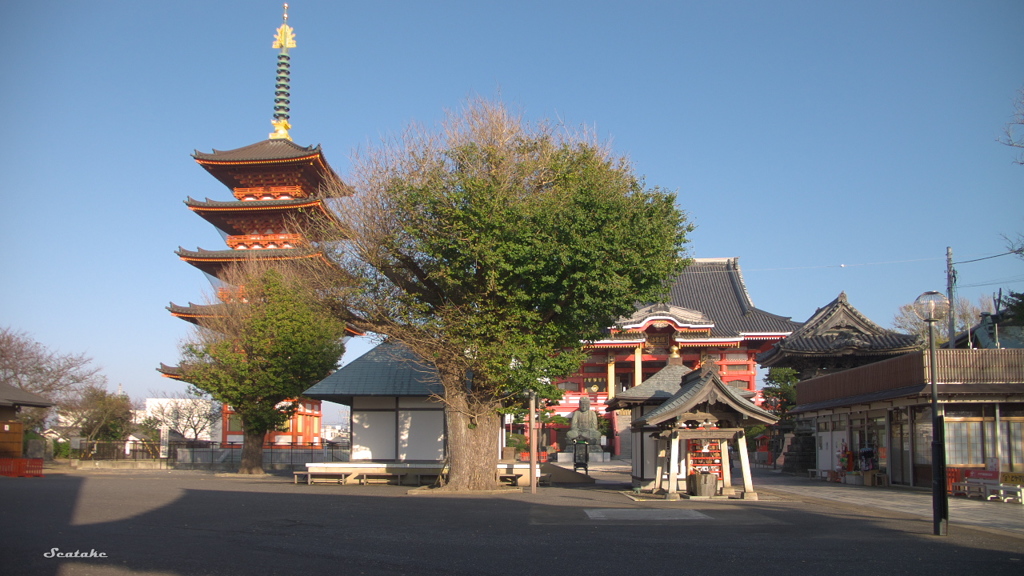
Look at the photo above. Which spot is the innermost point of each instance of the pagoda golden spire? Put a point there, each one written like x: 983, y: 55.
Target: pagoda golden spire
x: 283, y: 40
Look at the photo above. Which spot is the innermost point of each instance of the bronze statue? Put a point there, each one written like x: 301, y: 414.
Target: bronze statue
x: 584, y: 424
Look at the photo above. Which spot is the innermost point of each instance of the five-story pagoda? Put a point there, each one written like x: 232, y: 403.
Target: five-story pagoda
x: 279, y: 191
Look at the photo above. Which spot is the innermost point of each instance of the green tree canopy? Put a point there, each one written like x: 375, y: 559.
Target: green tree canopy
x: 492, y: 248
x: 98, y: 414
x: 262, y: 351
x: 780, y: 390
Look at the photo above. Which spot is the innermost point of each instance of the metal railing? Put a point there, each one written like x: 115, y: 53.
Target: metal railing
x: 199, y: 454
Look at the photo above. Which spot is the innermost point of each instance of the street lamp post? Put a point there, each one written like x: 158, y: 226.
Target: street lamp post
x: 932, y: 307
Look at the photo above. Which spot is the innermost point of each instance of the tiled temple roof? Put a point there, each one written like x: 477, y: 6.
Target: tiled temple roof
x: 715, y: 287
x: 839, y: 329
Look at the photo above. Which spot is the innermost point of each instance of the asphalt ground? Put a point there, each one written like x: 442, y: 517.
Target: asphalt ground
x: 186, y: 522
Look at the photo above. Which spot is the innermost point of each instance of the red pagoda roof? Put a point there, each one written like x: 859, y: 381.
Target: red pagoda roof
x: 225, y: 215
x: 276, y: 162
x: 211, y: 261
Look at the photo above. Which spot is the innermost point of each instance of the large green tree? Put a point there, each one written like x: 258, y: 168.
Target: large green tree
x: 492, y: 247
x: 261, y: 351
x: 100, y: 415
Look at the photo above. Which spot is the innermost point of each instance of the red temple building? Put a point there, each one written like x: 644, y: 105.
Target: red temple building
x: 278, y: 189
x: 709, y: 317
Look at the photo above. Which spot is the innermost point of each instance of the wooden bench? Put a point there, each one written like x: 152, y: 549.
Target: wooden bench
x: 314, y: 477
x: 365, y: 477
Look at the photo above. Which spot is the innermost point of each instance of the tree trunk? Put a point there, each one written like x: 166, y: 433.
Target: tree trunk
x: 252, y: 453
x: 472, y: 446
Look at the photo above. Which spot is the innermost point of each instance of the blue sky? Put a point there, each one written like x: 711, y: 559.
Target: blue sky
x: 800, y: 136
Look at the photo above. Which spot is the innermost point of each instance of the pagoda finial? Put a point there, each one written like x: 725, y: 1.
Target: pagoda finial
x: 283, y: 40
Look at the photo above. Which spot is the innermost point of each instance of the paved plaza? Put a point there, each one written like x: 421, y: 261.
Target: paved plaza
x: 185, y: 522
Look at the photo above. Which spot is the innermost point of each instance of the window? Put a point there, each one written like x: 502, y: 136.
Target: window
x: 963, y: 444
x: 1010, y: 437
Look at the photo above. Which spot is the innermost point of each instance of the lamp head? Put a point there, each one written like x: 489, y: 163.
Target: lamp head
x: 931, y: 306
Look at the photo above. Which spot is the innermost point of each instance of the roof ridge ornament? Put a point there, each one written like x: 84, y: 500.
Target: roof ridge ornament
x: 283, y: 40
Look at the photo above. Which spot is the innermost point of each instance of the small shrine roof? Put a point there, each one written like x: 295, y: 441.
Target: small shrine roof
x: 655, y: 390
x: 389, y: 369
x: 700, y: 387
x: 715, y: 287
x: 679, y: 315
x: 839, y: 329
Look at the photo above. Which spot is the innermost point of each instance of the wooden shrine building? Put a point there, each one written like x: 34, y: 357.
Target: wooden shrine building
x: 836, y: 337
x: 683, y: 421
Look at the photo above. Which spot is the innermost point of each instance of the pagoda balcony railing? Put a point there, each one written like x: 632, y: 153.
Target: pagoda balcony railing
x: 259, y: 241
x: 269, y: 192
x: 231, y: 294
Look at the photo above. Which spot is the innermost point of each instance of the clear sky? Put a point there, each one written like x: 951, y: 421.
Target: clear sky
x: 831, y: 146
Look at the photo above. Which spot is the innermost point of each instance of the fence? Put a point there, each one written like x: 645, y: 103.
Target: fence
x: 203, y: 455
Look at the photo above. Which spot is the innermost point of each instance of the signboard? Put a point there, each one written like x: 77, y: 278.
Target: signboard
x: 992, y: 475
x: 1011, y: 478
x: 165, y: 437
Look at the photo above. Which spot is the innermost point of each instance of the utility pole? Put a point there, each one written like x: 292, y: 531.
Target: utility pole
x: 950, y: 281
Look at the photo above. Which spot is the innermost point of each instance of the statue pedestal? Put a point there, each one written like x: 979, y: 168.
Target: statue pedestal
x: 596, y: 454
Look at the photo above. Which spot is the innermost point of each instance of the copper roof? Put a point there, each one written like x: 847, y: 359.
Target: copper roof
x: 390, y: 369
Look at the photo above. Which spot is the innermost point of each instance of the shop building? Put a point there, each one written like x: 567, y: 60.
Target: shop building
x: 876, y: 419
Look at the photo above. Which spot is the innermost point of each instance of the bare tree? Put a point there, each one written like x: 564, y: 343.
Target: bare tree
x: 57, y: 377
x: 1014, y: 131
x: 967, y: 315
x: 192, y: 413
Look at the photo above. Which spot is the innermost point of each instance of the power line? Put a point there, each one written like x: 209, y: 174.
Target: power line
x: 987, y: 257
x: 841, y: 265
